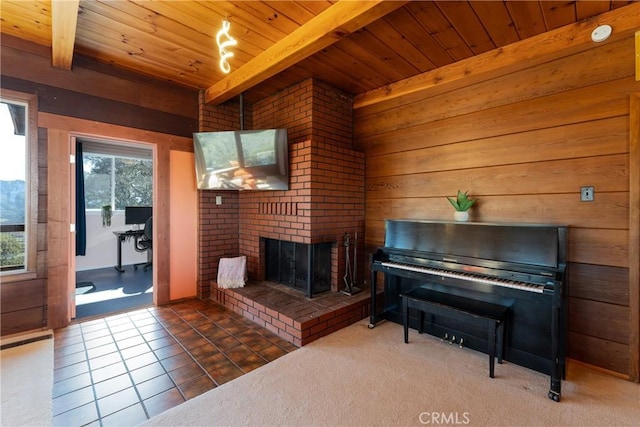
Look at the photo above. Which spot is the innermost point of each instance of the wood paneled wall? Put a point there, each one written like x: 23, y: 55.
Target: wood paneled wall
x: 524, y: 144
x: 100, y: 102
x: 23, y: 297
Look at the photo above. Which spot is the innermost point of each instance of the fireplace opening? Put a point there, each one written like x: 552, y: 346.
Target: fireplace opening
x: 305, y: 267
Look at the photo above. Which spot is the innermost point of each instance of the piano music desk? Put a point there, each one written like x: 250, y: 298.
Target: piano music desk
x: 483, y: 314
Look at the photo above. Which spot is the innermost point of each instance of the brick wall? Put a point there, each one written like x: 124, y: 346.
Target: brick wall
x: 218, y: 224
x: 326, y: 195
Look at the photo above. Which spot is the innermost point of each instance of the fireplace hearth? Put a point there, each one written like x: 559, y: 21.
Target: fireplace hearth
x: 305, y: 267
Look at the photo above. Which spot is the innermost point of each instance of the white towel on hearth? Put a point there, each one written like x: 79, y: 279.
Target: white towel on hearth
x: 232, y: 272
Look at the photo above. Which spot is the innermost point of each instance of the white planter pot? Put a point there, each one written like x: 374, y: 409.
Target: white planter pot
x: 461, y: 216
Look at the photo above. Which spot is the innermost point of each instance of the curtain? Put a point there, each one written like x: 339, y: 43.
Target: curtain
x: 81, y: 218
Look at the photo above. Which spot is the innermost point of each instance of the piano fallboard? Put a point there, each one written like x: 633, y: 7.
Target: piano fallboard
x: 522, y: 276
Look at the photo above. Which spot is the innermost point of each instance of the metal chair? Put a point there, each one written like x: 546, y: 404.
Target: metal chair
x: 143, y: 243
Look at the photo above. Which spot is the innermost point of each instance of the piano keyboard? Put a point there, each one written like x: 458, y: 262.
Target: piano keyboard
x: 524, y: 286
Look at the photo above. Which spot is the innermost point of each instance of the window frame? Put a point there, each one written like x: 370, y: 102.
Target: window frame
x: 31, y: 185
x: 113, y: 178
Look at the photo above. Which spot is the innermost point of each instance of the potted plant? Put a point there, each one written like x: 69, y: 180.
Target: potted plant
x: 107, y: 213
x: 461, y: 203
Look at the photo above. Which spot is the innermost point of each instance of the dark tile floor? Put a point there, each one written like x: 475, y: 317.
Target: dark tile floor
x: 123, y: 369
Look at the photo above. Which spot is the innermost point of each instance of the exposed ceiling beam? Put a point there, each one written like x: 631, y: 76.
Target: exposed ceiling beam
x: 325, y: 29
x: 526, y: 53
x: 64, y: 19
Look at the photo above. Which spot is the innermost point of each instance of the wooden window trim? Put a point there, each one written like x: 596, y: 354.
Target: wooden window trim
x: 31, y: 222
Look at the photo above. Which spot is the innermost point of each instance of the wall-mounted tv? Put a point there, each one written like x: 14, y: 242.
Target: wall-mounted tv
x: 242, y: 160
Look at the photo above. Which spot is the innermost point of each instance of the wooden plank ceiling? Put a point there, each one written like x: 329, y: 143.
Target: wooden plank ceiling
x: 357, y: 47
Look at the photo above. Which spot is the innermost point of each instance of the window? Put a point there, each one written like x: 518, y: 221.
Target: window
x: 117, y: 181
x: 18, y: 184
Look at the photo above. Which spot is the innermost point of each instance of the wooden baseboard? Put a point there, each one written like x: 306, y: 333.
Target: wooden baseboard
x: 599, y: 369
x: 15, y: 340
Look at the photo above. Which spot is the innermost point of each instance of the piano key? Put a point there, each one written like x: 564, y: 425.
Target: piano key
x: 529, y: 287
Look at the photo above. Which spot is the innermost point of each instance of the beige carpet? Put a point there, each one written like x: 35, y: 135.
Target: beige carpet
x: 363, y: 377
x: 26, y: 383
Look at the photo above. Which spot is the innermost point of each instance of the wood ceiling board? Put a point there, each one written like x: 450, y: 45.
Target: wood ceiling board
x: 24, y: 30
x: 414, y: 60
x: 323, y: 30
x: 299, y: 12
x: 377, y: 58
x: 155, y: 24
x: 191, y: 14
x: 383, y: 52
x: 253, y: 25
x: 343, y: 77
x: 558, y: 13
x: 129, y: 46
x: 314, y: 7
x: 37, y: 12
x: 277, y: 20
x: 527, y: 17
x: 437, y: 25
x: 375, y: 65
x: 198, y: 47
x: 30, y: 21
x: 419, y: 36
x: 466, y: 23
x: 586, y: 9
x: 552, y: 45
x: 207, y: 22
x: 142, y: 64
x: 497, y: 22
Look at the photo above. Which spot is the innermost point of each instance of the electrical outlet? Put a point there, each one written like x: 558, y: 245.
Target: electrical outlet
x: 586, y: 194
x: 218, y: 200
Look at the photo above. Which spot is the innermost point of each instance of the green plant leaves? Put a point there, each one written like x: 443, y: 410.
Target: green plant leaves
x: 462, y: 202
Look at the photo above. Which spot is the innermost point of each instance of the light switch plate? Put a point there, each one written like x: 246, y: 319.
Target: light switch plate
x: 218, y: 200
x: 586, y: 194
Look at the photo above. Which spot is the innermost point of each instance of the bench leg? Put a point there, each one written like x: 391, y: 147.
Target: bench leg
x: 492, y: 348
x: 405, y: 318
x: 421, y: 322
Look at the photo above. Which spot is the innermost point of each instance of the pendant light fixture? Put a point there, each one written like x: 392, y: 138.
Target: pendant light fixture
x: 224, y: 40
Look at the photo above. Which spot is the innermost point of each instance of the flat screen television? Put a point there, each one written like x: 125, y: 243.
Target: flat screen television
x: 242, y: 160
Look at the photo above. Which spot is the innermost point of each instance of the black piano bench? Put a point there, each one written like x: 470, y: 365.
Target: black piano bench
x: 481, y: 313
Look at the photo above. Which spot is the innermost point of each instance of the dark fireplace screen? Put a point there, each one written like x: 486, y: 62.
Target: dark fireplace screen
x: 306, y: 267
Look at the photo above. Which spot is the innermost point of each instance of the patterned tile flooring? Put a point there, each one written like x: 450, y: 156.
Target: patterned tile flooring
x: 123, y: 369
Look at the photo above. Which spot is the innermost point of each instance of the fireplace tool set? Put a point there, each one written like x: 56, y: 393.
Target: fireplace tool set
x: 351, y: 273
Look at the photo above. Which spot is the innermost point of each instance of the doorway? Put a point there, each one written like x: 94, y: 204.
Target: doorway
x: 114, y: 221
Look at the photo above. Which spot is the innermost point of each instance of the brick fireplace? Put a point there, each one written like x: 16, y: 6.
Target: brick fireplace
x: 326, y: 195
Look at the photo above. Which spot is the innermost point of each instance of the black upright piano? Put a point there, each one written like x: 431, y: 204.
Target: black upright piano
x: 520, y: 266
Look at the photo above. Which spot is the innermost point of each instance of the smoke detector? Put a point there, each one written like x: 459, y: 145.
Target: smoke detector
x: 601, y: 33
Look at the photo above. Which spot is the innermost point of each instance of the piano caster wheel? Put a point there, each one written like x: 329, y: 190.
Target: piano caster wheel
x: 554, y: 396
x: 371, y: 326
